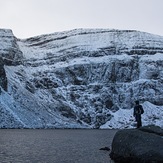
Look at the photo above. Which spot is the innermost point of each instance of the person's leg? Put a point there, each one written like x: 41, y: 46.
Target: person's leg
x: 138, y: 121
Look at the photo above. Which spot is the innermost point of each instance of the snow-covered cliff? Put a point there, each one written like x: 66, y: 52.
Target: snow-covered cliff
x: 80, y: 78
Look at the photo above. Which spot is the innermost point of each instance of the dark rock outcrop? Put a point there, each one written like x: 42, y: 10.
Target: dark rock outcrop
x: 9, y: 49
x: 3, y: 78
x: 10, y: 54
x: 142, y: 145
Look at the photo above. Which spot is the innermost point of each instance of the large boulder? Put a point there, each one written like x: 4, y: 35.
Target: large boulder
x: 144, y: 145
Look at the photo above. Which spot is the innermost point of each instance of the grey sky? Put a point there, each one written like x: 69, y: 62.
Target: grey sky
x: 34, y: 17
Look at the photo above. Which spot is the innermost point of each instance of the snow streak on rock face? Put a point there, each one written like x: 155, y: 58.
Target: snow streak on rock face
x: 9, y: 53
x: 9, y: 50
x: 80, y: 78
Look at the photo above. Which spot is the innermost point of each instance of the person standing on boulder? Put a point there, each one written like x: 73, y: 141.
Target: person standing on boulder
x: 138, y: 110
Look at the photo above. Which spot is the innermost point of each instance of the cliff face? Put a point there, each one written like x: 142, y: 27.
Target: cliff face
x: 9, y: 54
x: 79, y: 78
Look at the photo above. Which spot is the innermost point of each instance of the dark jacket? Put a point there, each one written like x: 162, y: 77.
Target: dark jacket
x: 138, y: 110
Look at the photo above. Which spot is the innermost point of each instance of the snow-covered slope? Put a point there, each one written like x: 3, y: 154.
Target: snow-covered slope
x: 124, y: 118
x: 80, y: 78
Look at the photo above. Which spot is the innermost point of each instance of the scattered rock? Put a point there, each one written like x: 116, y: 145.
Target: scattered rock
x: 105, y: 149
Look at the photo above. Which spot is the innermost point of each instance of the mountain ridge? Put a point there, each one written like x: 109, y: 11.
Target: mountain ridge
x: 79, y: 78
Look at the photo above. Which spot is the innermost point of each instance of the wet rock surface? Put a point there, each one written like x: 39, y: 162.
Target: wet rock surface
x: 142, y: 145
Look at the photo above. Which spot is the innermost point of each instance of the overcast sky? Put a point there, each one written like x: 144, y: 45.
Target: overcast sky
x: 34, y: 17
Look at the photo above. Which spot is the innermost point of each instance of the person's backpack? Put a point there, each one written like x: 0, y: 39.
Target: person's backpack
x: 141, y: 109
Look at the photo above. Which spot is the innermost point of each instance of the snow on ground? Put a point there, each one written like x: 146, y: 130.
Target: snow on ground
x: 124, y: 118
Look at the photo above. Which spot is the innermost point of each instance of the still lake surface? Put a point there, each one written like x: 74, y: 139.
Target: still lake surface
x: 55, y: 145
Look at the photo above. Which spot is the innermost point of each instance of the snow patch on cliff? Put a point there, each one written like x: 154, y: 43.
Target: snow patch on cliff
x: 124, y: 118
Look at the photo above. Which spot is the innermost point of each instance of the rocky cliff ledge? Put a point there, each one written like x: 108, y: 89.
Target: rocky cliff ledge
x: 78, y: 78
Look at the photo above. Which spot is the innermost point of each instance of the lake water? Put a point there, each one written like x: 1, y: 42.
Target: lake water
x: 55, y: 145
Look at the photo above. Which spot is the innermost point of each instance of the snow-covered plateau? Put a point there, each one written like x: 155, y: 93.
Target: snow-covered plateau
x: 83, y: 78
